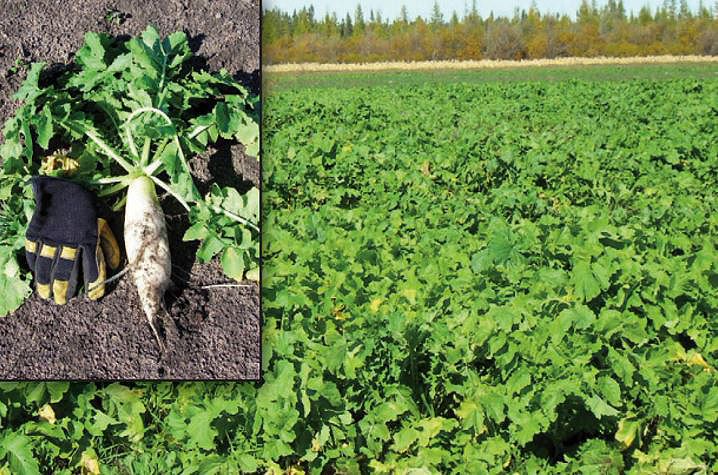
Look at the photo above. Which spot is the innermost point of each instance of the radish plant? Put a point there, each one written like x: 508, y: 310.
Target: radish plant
x: 129, y: 113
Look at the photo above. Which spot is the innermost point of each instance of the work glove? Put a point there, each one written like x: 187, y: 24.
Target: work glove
x: 65, y: 231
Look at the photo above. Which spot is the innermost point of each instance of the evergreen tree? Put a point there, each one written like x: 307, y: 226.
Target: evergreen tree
x: 437, y: 18
x: 348, y: 27
x: 606, y: 30
x: 359, y: 24
x: 684, y: 12
x: 404, y: 15
x: 454, y: 19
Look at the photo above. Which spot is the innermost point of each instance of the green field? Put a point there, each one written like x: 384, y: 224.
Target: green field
x: 492, y: 277
x: 489, y: 277
x: 278, y: 82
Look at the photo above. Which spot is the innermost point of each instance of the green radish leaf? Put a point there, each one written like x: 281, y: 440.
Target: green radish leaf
x: 13, y: 287
x: 222, y: 118
x: 200, y: 430
x: 17, y: 449
x: 44, y: 127
x: 196, y: 231
x: 247, y: 463
x: 92, y: 55
x: 30, y: 89
x: 209, y: 248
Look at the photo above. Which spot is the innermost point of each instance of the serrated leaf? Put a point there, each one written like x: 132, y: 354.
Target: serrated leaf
x: 29, y: 89
x: 586, y: 283
x: 610, y: 389
x: 209, y: 248
x: 599, y: 407
x: 221, y: 117
x: 13, y: 287
x: 196, y: 231
x: 247, y: 463
x: 404, y: 438
x: 200, y: 430
x: 578, y: 316
x: 44, y: 128
x: 17, y: 449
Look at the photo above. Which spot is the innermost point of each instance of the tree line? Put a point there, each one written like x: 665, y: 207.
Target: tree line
x: 607, y: 30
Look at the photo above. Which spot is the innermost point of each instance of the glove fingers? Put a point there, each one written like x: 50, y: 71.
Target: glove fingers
x: 64, y: 274
x: 93, y: 268
x: 43, y: 269
x: 109, y: 244
x: 31, y: 253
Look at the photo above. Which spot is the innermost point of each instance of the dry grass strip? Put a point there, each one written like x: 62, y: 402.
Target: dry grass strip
x: 484, y: 63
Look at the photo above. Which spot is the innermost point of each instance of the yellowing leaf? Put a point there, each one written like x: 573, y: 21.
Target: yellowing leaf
x: 626, y: 433
x: 695, y: 358
x: 233, y: 264
x: 316, y: 446
x: 374, y: 305
x: 410, y: 295
x: 253, y: 274
x: 47, y: 414
x: 89, y: 463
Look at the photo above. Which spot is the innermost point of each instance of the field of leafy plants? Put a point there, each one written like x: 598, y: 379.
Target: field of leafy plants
x: 487, y: 278
x: 494, y: 278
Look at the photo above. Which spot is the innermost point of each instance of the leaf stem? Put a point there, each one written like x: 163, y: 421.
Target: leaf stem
x: 169, y: 121
x: 108, y: 180
x: 152, y: 167
x: 235, y: 217
x: 146, y: 152
x: 169, y: 190
x: 113, y: 189
x: 109, y: 152
x: 198, y: 130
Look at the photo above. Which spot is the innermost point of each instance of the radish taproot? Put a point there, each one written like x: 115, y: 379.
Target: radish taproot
x: 148, y: 251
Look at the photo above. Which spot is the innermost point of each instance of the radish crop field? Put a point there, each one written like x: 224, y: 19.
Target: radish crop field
x: 503, y: 278
x: 492, y: 278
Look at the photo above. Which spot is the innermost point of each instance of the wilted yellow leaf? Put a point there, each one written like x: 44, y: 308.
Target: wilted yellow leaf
x: 47, y: 414
x: 316, y: 446
x: 66, y: 166
x: 89, y: 463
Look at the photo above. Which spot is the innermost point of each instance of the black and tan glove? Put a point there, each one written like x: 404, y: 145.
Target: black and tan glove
x: 65, y: 231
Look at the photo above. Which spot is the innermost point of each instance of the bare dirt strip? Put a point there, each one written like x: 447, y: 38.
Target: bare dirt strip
x: 483, y: 64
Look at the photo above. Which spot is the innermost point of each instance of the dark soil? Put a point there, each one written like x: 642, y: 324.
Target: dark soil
x: 211, y: 333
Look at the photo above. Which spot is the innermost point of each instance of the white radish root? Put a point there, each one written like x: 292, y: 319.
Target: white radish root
x: 147, y: 248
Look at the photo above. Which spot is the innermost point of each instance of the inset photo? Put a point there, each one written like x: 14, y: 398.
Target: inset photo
x: 129, y: 191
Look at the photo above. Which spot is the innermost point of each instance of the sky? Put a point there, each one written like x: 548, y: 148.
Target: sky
x: 390, y: 9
